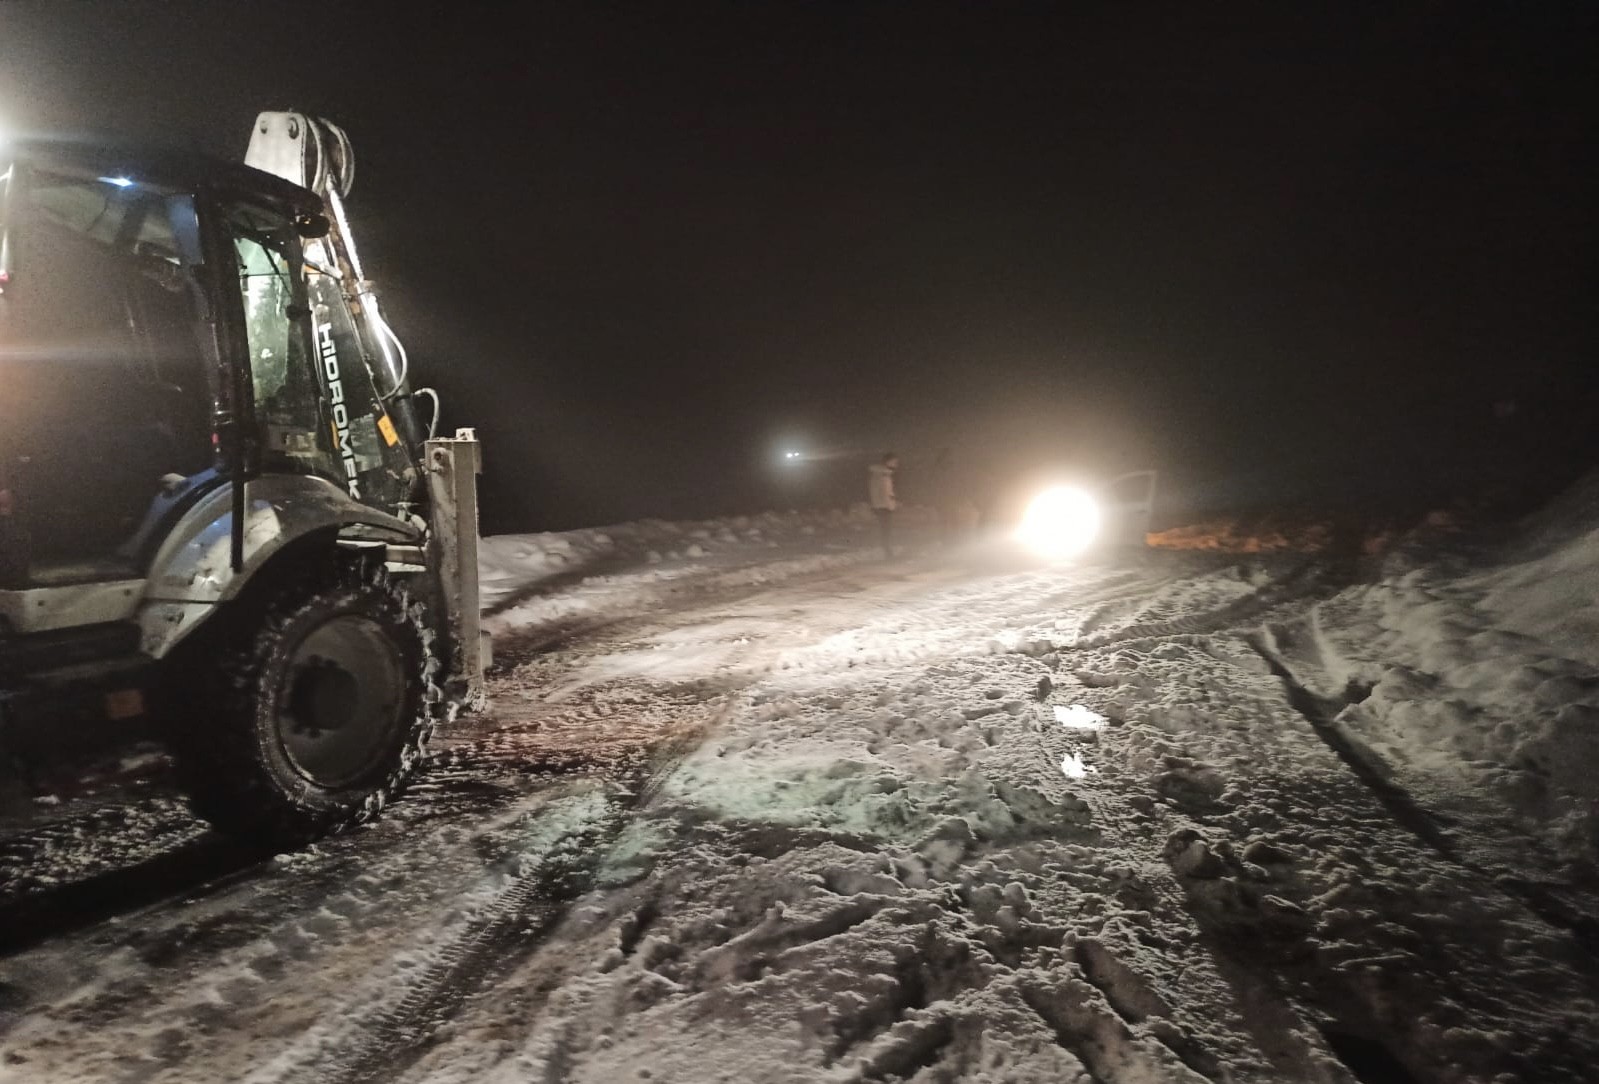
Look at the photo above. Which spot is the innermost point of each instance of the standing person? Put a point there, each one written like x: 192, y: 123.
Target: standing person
x: 880, y: 493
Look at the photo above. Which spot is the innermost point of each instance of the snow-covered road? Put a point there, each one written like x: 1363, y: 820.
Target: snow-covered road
x: 751, y: 805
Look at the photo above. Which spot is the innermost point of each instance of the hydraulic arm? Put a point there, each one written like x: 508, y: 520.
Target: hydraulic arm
x: 316, y: 154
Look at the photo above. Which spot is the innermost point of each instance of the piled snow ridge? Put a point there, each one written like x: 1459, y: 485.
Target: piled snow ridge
x: 1482, y: 683
x: 513, y: 563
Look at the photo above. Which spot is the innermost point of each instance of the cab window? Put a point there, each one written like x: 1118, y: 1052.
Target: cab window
x: 288, y: 397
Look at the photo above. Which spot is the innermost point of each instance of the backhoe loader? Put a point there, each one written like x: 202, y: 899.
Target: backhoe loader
x: 222, y: 506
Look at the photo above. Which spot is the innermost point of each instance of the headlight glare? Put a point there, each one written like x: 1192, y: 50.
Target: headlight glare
x: 1060, y: 522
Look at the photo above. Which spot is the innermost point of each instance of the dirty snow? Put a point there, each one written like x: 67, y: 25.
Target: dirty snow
x: 752, y: 804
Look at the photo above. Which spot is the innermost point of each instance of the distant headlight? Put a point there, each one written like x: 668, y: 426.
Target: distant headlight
x: 1060, y: 522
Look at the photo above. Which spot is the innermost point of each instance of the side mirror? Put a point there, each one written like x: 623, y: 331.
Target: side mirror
x: 312, y: 226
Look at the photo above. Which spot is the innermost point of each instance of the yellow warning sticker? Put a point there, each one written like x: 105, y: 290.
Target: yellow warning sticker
x: 386, y: 427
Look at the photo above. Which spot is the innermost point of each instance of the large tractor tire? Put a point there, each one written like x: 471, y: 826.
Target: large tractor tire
x: 315, y: 704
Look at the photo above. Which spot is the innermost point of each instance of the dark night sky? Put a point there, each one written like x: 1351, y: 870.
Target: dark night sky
x: 1268, y: 251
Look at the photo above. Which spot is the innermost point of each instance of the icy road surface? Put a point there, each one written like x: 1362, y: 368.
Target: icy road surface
x: 754, y: 805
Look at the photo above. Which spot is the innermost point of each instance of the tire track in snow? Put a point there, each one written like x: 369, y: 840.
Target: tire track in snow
x: 595, y: 604
x: 378, y: 1044
x: 1307, y: 579
x: 1321, y: 713
x: 1103, y: 1017
x: 1275, y: 925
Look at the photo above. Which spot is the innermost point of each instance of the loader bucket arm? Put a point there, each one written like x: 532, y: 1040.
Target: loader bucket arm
x: 316, y: 154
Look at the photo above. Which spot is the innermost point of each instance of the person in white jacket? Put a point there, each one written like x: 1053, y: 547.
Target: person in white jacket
x: 880, y: 494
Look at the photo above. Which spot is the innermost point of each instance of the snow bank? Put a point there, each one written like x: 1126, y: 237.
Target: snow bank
x: 1477, y: 680
x: 514, y: 564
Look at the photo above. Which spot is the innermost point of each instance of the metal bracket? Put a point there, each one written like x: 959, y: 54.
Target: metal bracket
x: 453, y: 464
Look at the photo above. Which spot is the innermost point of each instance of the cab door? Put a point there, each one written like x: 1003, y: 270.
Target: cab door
x: 288, y: 416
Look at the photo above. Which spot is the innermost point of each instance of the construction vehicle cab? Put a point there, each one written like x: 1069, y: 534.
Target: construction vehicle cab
x: 216, y: 489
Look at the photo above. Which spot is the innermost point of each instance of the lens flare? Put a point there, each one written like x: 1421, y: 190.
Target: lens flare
x: 1060, y: 522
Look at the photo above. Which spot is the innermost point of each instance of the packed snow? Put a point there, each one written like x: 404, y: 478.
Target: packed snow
x: 752, y: 804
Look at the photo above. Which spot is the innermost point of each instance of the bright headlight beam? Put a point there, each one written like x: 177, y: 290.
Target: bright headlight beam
x: 1060, y: 522
x: 120, y: 182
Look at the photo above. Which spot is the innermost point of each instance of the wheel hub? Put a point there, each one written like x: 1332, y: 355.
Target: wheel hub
x: 343, y: 701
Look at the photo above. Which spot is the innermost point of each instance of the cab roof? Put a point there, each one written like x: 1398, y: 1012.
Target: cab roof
x: 183, y: 170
